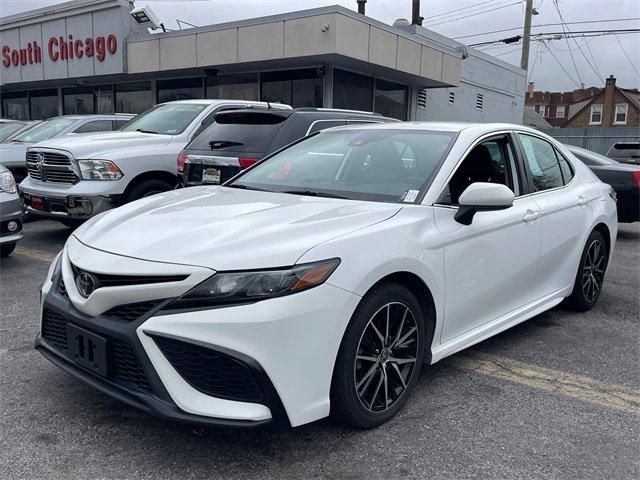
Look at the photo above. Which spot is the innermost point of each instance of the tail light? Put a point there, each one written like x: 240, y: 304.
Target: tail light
x: 246, y: 162
x: 182, y: 159
x: 636, y: 178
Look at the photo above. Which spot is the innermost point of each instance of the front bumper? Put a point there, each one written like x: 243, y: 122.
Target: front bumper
x: 289, y: 344
x: 10, y: 211
x: 80, y: 201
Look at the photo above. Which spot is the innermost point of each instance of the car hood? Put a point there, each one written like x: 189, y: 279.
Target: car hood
x: 97, y: 144
x: 228, y: 229
x: 12, y: 152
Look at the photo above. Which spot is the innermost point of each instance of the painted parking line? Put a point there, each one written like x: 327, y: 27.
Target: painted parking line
x: 36, y: 254
x: 583, y: 388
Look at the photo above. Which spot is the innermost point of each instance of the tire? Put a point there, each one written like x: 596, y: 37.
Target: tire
x: 590, y: 275
x: 354, y: 398
x: 146, y: 188
x: 6, y: 249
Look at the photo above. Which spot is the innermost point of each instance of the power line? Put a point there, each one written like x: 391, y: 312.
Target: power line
x: 573, y: 61
x: 627, y: 55
x: 475, y: 14
x: 560, y: 64
x: 560, y: 35
x: 549, y: 25
x: 576, y: 42
x: 593, y: 58
x: 446, y: 14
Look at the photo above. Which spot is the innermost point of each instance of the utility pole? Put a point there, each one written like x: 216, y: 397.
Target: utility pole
x: 526, y: 36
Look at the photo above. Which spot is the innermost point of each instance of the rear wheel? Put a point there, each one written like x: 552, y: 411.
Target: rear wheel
x: 146, y: 188
x: 379, y: 360
x: 590, y: 276
x: 6, y: 249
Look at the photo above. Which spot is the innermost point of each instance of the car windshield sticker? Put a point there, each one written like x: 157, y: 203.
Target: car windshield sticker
x: 410, y: 196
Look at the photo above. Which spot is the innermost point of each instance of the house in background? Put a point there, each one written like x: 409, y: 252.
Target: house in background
x: 610, y: 106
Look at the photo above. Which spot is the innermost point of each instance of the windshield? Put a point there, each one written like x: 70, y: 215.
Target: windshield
x: 591, y: 158
x: 167, y: 119
x: 366, y: 164
x: 45, y: 130
x: 6, y: 129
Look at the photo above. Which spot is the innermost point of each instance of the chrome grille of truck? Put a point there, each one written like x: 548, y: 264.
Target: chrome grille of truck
x: 50, y: 167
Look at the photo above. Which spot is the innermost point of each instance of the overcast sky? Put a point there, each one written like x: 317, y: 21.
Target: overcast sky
x: 605, y: 54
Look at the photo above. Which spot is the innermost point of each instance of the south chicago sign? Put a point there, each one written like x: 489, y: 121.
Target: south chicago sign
x: 61, y: 48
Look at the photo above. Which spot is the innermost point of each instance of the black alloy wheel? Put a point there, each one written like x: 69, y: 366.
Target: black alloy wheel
x: 590, y: 276
x: 380, y: 357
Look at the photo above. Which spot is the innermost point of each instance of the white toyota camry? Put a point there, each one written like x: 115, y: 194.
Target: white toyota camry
x: 323, y: 278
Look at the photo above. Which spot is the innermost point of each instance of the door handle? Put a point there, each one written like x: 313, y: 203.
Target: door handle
x: 530, y: 216
x: 582, y: 201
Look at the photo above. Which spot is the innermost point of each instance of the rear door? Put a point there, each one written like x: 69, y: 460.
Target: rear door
x: 564, y: 214
x: 233, y: 141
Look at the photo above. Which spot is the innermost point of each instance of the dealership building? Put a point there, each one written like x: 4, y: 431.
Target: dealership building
x: 91, y: 56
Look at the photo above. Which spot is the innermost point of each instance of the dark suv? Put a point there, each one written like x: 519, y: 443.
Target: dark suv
x: 239, y: 138
x: 625, y: 152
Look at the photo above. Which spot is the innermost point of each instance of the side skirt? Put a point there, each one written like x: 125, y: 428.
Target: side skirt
x: 498, y: 325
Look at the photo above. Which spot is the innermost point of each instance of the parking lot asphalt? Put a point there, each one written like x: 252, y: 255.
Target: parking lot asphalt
x: 555, y: 397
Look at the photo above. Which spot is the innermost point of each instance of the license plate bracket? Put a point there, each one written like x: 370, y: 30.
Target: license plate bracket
x: 88, y: 349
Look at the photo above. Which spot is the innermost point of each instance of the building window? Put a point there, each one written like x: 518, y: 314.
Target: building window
x: 352, y: 91
x: 452, y: 98
x: 479, y: 101
x: 390, y: 99
x: 233, y: 87
x: 133, y: 97
x: 298, y: 88
x: 77, y: 100
x: 15, y: 105
x: 560, y: 111
x: 596, y: 115
x: 537, y: 108
x: 103, y: 99
x: 43, y: 104
x: 180, y: 89
x: 621, y: 113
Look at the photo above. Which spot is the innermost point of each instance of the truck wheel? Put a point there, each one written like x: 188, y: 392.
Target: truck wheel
x: 146, y: 188
x: 6, y: 249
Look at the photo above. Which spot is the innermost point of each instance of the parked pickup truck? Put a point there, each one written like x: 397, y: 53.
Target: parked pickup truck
x: 73, y: 179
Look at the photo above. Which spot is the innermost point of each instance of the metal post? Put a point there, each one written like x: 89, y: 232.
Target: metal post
x: 416, y: 19
x: 526, y: 36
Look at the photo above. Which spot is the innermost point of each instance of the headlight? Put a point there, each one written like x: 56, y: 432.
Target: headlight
x: 7, y: 183
x: 99, y: 170
x: 250, y: 286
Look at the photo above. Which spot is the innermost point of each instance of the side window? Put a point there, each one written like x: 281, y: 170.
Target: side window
x: 95, y: 126
x: 208, y: 120
x: 118, y: 124
x: 543, y: 163
x: 565, y: 167
x: 490, y: 161
x: 322, y: 124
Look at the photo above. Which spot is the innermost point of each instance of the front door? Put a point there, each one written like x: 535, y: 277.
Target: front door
x: 491, y: 264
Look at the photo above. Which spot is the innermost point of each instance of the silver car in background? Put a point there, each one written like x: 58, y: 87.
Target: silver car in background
x: 10, y: 129
x: 10, y: 213
x: 13, y: 152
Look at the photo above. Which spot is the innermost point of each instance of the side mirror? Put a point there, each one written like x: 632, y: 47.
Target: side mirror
x: 482, y: 197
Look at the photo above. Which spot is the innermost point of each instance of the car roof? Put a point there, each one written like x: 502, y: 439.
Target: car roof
x: 453, y: 127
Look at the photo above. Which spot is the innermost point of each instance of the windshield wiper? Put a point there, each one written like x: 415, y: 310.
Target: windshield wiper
x: 142, y: 130
x: 215, y: 144
x: 247, y: 187
x: 311, y: 193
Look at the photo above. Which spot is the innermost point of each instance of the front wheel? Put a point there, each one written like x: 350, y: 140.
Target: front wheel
x: 590, y: 276
x: 146, y: 188
x: 380, y: 356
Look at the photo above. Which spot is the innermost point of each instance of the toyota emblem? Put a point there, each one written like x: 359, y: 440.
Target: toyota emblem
x: 86, y: 284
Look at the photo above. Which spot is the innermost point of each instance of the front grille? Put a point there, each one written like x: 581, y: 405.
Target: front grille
x: 50, y: 167
x: 131, y: 311
x: 107, y: 280
x: 126, y: 367
x: 211, y: 372
x: 54, y: 329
